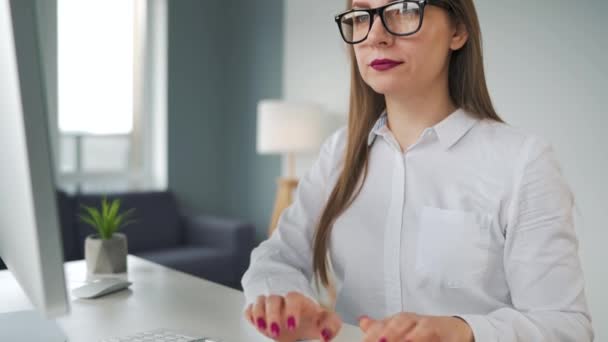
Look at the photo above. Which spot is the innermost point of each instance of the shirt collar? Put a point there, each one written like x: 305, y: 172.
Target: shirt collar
x: 378, y: 128
x: 448, y: 130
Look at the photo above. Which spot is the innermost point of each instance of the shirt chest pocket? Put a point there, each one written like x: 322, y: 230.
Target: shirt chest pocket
x: 452, y: 246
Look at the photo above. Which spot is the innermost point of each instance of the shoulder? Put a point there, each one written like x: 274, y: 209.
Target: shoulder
x: 335, y: 144
x: 511, y: 143
x: 331, y: 155
x: 522, y: 157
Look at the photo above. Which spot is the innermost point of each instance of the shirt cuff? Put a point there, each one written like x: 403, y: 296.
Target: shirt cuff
x: 483, y: 331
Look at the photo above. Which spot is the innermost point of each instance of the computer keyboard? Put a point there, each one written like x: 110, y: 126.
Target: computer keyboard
x: 159, y: 335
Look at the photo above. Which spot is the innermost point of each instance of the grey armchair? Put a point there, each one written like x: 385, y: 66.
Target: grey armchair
x: 210, y: 247
x: 215, y: 248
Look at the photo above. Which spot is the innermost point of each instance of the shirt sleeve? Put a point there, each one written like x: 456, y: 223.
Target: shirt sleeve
x: 283, y: 263
x: 540, y: 259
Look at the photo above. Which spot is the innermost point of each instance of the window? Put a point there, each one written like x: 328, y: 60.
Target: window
x: 105, y: 139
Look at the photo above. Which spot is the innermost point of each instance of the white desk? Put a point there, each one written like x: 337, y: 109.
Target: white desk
x: 159, y: 298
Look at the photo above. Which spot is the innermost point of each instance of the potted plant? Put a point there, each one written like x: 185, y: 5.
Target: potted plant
x: 106, y: 251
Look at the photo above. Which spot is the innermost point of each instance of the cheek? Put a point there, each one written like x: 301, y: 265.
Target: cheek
x: 426, y: 56
x: 433, y: 49
x: 360, y: 58
x: 438, y: 55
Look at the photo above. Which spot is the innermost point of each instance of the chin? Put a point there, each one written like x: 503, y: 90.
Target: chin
x: 385, y: 87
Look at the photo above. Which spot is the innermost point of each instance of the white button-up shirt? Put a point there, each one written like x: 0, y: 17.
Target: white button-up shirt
x: 474, y: 220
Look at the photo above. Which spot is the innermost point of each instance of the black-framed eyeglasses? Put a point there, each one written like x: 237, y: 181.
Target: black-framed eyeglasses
x: 400, y: 18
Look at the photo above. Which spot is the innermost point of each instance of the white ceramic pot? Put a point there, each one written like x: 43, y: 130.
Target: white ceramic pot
x: 106, y: 256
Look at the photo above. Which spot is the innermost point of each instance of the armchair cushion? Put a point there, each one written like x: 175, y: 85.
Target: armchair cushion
x: 207, y: 230
x: 229, y: 235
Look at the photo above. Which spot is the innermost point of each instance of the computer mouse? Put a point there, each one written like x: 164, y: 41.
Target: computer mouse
x: 101, y: 288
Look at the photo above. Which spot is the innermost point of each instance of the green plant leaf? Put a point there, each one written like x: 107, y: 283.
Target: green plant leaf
x: 129, y: 212
x: 88, y: 221
x: 104, y: 207
x: 118, y: 223
x: 95, y: 216
x: 120, y: 220
x: 127, y: 223
x: 114, y: 209
x: 107, y: 220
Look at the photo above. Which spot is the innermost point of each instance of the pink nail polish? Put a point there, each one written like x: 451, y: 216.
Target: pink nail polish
x: 326, y: 334
x: 382, y: 339
x: 291, y: 323
x: 261, y: 323
x: 275, y: 330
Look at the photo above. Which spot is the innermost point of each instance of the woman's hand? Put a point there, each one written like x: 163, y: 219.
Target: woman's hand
x: 293, y: 317
x: 409, y: 327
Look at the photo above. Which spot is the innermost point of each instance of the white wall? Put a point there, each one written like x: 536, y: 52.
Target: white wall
x: 548, y: 74
x: 314, y: 65
x: 546, y: 70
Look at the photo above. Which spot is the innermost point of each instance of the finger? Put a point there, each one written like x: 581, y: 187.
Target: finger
x: 365, y: 322
x: 249, y: 314
x: 329, y: 324
x: 259, y: 313
x: 294, y: 305
x: 398, y: 327
x: 423, y: 331
x: 274, y: 313
x: 374, y: 329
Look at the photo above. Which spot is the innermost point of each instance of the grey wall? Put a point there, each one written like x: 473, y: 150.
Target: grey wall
x: 254, y: 63
x: 546, y: 70
x: 195, y: 112
x: 223, y: 58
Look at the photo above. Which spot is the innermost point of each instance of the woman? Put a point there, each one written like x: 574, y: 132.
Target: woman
x: 437, y: 221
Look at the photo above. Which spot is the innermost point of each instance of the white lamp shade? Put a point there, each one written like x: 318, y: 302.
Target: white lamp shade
x: 285, y: 127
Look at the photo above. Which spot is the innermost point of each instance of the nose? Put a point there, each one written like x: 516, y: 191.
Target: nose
x: 378, y: 34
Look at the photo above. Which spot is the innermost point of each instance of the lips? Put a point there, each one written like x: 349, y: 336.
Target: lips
x: 384, y: 64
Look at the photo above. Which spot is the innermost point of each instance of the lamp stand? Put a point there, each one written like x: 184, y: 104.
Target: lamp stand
x: 284, y: 196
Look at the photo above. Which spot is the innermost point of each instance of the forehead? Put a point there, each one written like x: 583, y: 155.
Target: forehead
x: 369, y: 3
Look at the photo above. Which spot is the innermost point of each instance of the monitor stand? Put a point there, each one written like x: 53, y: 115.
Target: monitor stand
x: 29, y: 326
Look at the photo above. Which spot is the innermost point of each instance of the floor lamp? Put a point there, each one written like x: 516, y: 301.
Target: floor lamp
x: 288, y: 128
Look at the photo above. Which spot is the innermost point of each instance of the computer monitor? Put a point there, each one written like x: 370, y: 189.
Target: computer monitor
x: 30, y: 243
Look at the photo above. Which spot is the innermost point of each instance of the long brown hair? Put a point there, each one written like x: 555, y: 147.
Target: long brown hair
x: 468, y: 90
